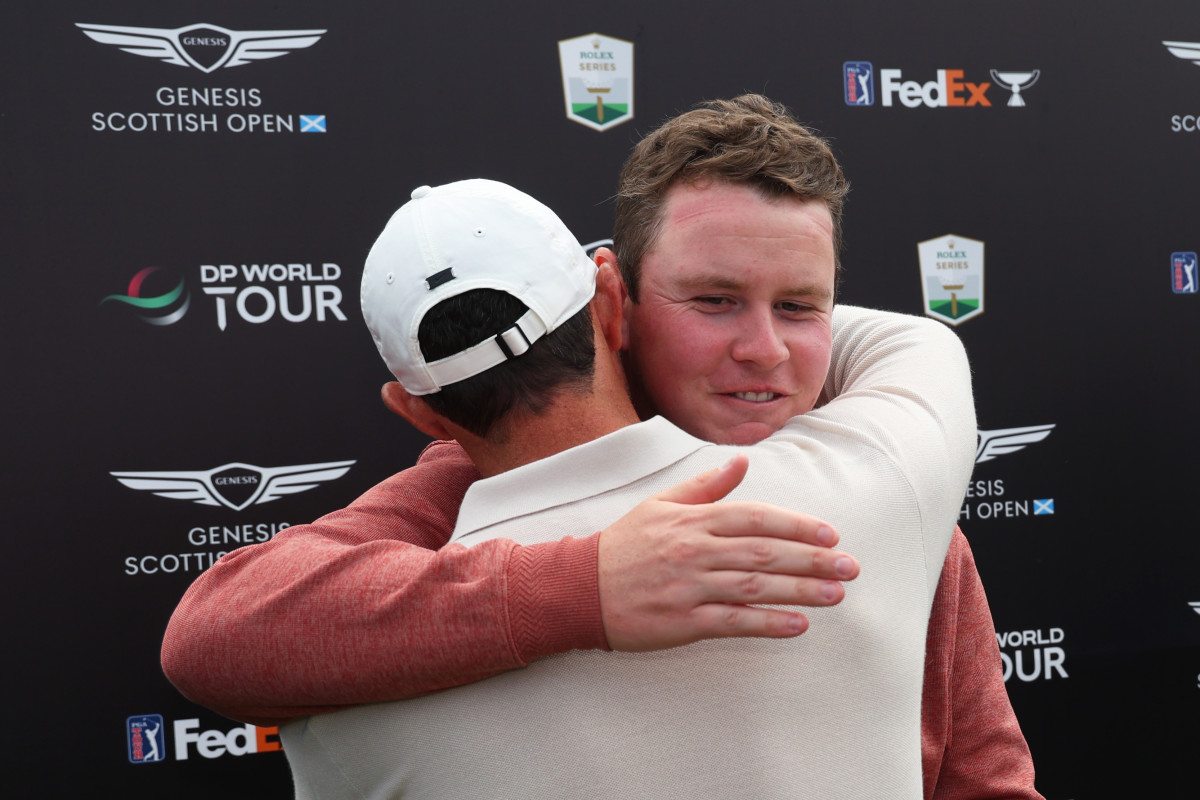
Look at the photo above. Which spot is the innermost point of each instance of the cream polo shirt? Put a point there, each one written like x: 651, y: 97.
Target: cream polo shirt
x: 834, y: 713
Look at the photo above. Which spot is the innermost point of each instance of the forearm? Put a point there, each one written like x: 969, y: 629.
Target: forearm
x: 972, y: 744
x: 308, y: 625
x: 902, y: 385
x: 354, y: 608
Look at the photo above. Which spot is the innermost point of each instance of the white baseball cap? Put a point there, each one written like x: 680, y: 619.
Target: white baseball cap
x: 473, y: 234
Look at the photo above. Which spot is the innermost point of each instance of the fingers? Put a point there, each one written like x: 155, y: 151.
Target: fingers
x: 711, y: 486
x: 763, y: 519
x: 778, y: 556
x: 760, y: 588
x: 721, y: 621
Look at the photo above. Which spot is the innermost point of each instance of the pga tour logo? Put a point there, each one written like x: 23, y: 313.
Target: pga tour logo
x: 146, y: 738
x: 858, y: 81
x: 1183, y: 272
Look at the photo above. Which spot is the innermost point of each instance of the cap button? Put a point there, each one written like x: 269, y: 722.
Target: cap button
x: 421, y: 191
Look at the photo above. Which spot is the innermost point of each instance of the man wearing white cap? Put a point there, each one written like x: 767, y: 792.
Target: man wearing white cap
x: 834, y: 713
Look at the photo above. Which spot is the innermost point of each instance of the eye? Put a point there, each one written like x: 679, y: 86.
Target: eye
x: 792, y: 308
x: 712, y: 303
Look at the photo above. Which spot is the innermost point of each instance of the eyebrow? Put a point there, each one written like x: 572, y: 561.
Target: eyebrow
x: 700, y: 281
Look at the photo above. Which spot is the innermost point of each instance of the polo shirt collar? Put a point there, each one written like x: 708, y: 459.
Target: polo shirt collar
x: 600, y: 466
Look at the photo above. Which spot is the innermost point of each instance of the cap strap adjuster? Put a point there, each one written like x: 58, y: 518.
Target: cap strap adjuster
x: 496, y: 350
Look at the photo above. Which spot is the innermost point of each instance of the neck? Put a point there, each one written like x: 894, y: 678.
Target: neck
x: 572, y: 419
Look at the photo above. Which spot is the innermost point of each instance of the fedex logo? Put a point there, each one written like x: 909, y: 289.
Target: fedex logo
x: 949, y: 89
x: 214, y: 743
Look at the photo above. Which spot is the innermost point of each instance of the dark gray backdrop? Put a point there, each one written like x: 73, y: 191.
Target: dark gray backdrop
x: 1081, y: 197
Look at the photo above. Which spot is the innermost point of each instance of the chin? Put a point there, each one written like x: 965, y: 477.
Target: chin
x: 746, y: 433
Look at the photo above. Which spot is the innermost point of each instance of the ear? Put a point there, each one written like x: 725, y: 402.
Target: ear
x: 606, y: 261
x: 415, y: 410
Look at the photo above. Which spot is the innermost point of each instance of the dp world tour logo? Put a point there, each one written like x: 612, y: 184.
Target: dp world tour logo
x: 162, y: 309
x: 205, y: 47
x: 597, y: 74
x: 234, y: 485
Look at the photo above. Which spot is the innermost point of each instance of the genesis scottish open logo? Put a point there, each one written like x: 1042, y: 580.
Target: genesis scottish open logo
x: 205, y: 47
x: 1008, y: 440
x: 234, y: 485
x: 991, y: 498
x: 1188, y: 51
x: 166, y: 308
x: 203, y: 109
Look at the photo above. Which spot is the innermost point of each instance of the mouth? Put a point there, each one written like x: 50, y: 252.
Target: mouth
x: 756, y: 397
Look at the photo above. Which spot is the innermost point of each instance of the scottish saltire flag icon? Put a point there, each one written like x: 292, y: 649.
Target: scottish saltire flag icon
x: 312, y: 123
x: 1043, y: 506
x: 858, y: 82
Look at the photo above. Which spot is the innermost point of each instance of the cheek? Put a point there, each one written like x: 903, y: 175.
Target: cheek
x: 811, y: 351
x: 671, y: 342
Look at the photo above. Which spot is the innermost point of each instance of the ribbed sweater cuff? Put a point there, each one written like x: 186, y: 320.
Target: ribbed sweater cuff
x: 554, y: 598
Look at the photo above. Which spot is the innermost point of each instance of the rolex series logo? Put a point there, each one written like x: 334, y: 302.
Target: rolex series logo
x: 597, y: 76
x: 203, y: 46
x: 952, y: 278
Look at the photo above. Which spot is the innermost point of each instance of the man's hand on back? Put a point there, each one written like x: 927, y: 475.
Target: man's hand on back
x: 681, y: 567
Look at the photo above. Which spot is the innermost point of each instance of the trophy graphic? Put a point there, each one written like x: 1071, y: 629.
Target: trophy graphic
x: 953, y: 290
x: 598, y: 89
x: 1015, y: 82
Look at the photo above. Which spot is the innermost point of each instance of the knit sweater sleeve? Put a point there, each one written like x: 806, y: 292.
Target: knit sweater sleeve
x: 901, y: 385
x: 972, y: 746
x: 361, y: 606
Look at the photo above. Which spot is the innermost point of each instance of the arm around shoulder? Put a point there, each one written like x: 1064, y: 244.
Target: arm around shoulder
x: 355, y: 608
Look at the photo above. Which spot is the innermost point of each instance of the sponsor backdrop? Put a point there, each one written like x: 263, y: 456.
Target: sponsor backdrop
x: 190, y: 190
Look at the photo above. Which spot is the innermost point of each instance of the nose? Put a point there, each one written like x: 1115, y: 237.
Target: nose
x: 759, y: 341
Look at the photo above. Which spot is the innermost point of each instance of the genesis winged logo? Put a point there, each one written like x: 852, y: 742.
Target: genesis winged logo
x: 203, y: 46
x: 1188, y: 51
x: 1008, y: 440
x: 234, y: 485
